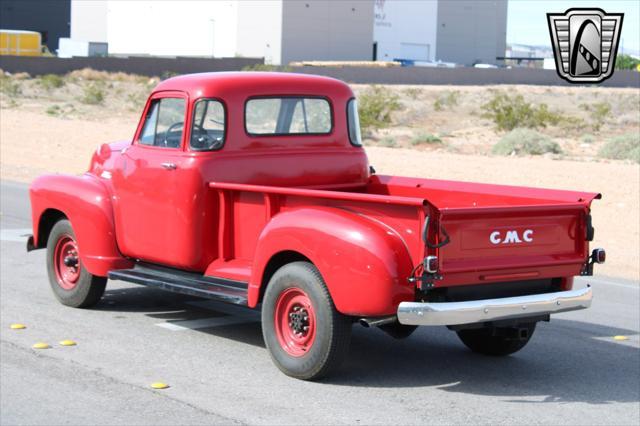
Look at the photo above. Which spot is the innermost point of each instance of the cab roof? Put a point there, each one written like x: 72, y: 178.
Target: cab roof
x: 221, y: 84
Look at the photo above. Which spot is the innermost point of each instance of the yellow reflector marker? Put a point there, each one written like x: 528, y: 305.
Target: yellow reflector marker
x: 18, y: 326
x: 620, y: 338
x: 159, y: 385
x: 41, y: 345
x: 68, y: 343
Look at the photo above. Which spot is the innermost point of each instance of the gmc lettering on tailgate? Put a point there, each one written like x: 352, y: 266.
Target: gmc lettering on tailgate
x: 511, y: 237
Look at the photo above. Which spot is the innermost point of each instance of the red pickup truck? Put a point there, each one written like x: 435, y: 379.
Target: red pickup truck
x: 254, y: 189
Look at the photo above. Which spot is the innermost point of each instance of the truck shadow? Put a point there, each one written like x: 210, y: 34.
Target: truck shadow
x: 566, y: 360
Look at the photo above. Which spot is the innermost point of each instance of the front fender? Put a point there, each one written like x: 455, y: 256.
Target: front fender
x: 86, y: 202
x: 364, y: 263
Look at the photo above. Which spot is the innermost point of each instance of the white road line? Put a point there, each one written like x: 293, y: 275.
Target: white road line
x: 205, y: 323
x: 18, y: 235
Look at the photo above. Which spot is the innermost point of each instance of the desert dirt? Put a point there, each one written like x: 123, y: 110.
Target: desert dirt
x: 54, y: 130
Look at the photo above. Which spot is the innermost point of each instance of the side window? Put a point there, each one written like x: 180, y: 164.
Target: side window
x: 353, y: 122
x: 207, y: 131
x: 288, y: 116
x: 164, y: 123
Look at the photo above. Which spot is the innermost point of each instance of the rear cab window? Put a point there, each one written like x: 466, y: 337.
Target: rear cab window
x: 288, y: 116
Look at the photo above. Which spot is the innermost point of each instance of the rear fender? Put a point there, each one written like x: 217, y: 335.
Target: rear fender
x: 364, y: 263
x: 86, y: 202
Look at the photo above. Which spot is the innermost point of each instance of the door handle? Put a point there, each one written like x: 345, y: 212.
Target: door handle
x: 168, y: 166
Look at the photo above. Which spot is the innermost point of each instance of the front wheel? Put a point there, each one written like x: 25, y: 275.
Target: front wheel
x: 497, y: 341
x: 306, y: 336
x: 71, y: 283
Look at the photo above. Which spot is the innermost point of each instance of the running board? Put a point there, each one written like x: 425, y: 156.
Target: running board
x: 190, y: 283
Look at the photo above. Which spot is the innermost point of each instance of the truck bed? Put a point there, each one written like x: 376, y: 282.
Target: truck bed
x: 464, y: 221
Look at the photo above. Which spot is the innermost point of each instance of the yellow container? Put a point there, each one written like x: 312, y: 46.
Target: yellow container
x: 20, y: 43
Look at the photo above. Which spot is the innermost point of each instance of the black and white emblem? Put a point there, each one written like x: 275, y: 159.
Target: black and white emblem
x: 585, y: 43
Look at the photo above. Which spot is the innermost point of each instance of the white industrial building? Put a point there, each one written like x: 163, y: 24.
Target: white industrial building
x: 460, y: 31
x: 281, y: 31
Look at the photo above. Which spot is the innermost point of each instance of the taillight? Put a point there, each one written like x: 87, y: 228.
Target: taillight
x: 598, y: 255
x: 431, y: 264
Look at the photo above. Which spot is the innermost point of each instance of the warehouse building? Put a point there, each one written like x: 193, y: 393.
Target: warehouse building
x: 278, y: 30
x: 465, y: 32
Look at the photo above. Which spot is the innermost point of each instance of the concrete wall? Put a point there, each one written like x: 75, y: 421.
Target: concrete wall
x: 259, y: 29
x: 461, y: 76
x: 409, y: 75
x: 135, y: 65
x: 471, y: 31
x: 49, y: 17
x: 405, y: 29
x: 327, y: 30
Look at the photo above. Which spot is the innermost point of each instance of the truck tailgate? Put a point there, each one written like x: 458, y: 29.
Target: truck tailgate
x: 499, y: 233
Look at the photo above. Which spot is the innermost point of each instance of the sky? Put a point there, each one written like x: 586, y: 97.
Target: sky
x: 527, y: 20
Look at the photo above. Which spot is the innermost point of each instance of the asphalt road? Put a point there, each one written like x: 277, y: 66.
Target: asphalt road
x: 214, y: 359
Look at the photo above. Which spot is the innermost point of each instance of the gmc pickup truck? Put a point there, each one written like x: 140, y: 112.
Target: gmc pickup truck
x: 254, y: 189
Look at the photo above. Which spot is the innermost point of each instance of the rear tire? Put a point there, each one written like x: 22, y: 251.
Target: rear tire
x: 71, y: 283
x: 306, y: 336
x: 497, y: 341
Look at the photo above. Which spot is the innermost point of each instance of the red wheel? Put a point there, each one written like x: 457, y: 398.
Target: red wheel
x: 295, y: 322
x: 305, y: 334
x: 71, y: 283
x: 66, y: 264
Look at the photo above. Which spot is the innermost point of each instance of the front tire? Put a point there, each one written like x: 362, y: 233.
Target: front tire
x: 306, y: 336
x: 71, y: 283
x: 497, y: 341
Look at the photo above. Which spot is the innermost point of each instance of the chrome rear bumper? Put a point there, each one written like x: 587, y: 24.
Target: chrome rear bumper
x: 475, y: 311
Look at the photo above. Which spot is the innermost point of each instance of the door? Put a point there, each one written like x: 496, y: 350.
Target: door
x: 148, y: 204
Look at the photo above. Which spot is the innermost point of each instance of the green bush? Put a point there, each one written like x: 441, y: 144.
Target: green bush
x: 375, y: 106
x: 266, y: 67
x: 54, y: 110
x: 93, y: 94
x: 412, y: 92
x: 525, y: 142
x: 587, y: 138
x: 626, y: 62
x: 624, y: 147
x: 10, y: 86
x: 598, y: 112
x: 137, y: 100
x: 388, y: 142
x: 510, y: 112
x: 51, y: 81
x: 425, y: 138
x: 447, y: 100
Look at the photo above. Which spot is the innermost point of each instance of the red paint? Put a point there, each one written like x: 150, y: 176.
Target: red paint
x: 295, y: 322
x: 229, y: 212
x: 67, y: 274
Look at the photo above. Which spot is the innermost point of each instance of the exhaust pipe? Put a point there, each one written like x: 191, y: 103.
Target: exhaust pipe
x: 377, y: 321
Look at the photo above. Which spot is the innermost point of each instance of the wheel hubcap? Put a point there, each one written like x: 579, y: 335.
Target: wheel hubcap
x: 295, y: 322
x: 66, y: 262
